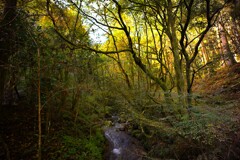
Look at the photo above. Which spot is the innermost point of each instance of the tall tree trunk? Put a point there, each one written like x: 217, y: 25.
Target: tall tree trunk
x: 175, y: 49
x: 39, y: 154
x: 7, y: 40
x: 172, y: 34
x: 227, y: 54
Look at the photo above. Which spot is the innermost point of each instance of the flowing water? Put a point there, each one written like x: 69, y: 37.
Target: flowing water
x: 121, y: 145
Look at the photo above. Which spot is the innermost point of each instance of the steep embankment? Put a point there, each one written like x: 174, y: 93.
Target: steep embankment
x: 220, y: 92
x: 225, y: 84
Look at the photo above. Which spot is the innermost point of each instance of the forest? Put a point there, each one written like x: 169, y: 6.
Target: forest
x: 119, y: 79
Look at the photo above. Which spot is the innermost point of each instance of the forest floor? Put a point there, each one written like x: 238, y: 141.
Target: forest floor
x: 18, y: 124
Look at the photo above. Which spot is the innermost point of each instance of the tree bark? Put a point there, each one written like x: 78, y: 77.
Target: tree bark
x: 228, y: 56
x: 172, y: 34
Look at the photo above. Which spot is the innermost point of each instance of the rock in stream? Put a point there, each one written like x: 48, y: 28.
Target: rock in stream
x: 122, y: 146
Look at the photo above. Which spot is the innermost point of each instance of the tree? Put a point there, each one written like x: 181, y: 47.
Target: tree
x: 163, y: 40
x: 227, y: 55
x: 8, y: 40
x: 166, y: 15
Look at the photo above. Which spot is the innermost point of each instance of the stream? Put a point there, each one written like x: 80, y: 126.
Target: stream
x: 122, y: 146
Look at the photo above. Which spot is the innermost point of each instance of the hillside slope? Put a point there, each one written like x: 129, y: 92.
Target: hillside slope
x: 225, y: 83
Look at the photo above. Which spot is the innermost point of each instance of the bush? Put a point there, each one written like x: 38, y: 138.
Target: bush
x: 83, y: 148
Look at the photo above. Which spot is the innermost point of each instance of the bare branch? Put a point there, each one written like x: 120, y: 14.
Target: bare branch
x: 93, y: 19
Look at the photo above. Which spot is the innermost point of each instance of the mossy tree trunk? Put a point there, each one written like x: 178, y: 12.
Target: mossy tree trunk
x: 172, y: 34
